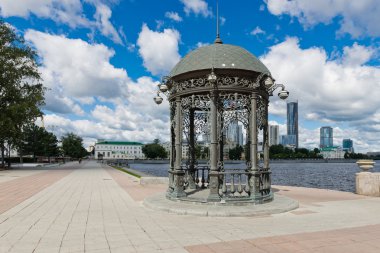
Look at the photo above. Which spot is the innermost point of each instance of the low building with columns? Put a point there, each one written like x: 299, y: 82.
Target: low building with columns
x: 110, y: 150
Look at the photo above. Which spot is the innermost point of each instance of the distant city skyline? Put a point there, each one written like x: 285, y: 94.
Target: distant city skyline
x: 102, y: 60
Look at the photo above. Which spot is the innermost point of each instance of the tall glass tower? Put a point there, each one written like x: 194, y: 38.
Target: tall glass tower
x: 348, y: 145
x: 326, y: 137
x: 292, y: 121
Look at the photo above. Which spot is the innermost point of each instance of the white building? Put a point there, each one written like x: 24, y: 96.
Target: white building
x: 332, y: 153
x: 118, y: 150
x: 274, y: 135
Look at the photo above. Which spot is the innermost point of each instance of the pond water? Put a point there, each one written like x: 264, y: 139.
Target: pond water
x: 334, y: 176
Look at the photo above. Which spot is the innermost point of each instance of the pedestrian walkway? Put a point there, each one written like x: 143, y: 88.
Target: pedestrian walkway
x: 94, y: 208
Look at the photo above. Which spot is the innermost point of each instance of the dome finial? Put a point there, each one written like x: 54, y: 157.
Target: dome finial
x: 217, y: 40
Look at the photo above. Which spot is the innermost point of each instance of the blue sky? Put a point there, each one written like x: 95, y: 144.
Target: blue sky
x: 102, y: 60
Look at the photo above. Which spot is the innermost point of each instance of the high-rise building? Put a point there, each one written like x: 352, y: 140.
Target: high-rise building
x: 240, y: 135
x: 326, y: 137
x: 234, y: 134
x: 274, y: 135
x: 348, y: 145
x: 292, y: 121
x: 288, y: 140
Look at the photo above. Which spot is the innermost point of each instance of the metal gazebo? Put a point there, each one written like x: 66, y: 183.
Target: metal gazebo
x: 207, y: 90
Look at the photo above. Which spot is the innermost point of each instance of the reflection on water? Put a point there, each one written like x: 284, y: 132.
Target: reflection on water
x: 334, y: 176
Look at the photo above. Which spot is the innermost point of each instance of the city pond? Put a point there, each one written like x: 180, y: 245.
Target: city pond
x: 333, y: 176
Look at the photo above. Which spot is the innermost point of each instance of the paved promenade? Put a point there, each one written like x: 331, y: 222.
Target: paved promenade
x: 90, y: 208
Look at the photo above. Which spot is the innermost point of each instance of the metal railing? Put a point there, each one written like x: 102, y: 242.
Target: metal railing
x: 233, y: 183
x: 199, y: 176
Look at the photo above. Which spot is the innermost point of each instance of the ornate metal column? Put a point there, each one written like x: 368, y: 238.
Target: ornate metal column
x: 191, y: 175
x: 266, y: 137
x: 172, y: 146
x: 178, y: 173
x: 221, y: 134
x: 254, y: 177
x: 214, y: 174
x: 253, y: 132
x: 172, y: 150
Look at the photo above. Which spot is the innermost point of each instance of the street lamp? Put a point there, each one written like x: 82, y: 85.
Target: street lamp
x: 212, y: 77
x: 163, y: 87
x: 283, y: 94
x: 271, y: 86
x: 157, y: 98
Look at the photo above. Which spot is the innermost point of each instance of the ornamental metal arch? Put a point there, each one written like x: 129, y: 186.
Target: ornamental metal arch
x: 206, y: 101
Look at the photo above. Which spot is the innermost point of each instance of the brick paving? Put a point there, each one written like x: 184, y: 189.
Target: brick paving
x: 96, y: 209
x: 13, y: 192
x: 364, y: 239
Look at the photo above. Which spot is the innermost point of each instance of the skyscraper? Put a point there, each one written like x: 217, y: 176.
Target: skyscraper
x: 292, y: 121
x: 240, y: 135
x: 274, y: 135
x: 235, y: 133
x: 326, y: 137
x: 348, y: 145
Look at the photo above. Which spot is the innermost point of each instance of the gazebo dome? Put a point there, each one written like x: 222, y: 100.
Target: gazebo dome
x: 219, y: 56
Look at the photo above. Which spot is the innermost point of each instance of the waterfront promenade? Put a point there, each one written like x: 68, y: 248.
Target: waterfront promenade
x: 91, y: 207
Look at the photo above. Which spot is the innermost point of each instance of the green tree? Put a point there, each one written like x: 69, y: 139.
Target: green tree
x: 39, y: 142
x: 198, y: 151
x: 154, y: 150
x: 205, y: 153
x: 72, y: 146
x: 235, y: 153
x: 21, y: 91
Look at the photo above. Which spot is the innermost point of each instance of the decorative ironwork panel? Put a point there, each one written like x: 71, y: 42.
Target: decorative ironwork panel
x: 222, y: 81
x: 261, y: 113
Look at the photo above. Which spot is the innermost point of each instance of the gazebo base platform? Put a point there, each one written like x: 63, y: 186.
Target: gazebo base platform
x: 196, y: 205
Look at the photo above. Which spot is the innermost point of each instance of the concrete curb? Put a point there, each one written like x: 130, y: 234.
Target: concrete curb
x: 154, y: 180
x: 280, y: 204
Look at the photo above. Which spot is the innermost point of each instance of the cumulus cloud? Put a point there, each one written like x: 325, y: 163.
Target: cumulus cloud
x: 76, y: 69
x: 69, y: 12
x: 173, y: 16
x: 137, y: 119
x: 328, y: 90
x: 102, y: 16
x: 159, y: 50
x: 198, y: 7
x: 357, y: 18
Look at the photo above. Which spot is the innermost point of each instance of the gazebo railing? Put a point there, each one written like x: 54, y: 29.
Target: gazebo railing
x: 200, y: 176
x: 233, y: 183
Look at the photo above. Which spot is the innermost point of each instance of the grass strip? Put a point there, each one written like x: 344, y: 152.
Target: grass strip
x: 127, y: 171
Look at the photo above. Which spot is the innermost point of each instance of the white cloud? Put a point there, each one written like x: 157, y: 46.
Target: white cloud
x: 358, y: 18
x: 334, y: 91
x: 173, y: 16
x: 197, y: 7
x: 76, y: 69
x: 137, y: 119
x: 69, y: 12
x: 159, y: 50
x: 257, y: 31
x: 357, y: 55
x: 102, y: 16
x: 222, y: 20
